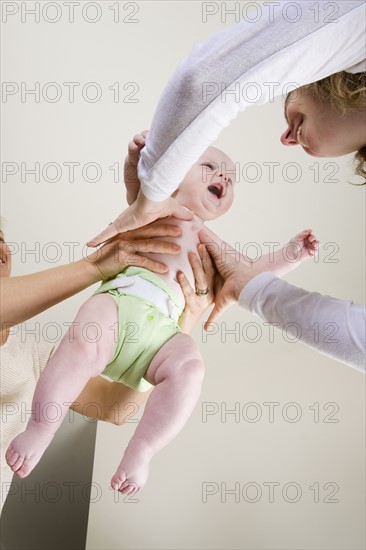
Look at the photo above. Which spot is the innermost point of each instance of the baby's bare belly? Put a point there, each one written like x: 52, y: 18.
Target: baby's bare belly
x: 188, y: 241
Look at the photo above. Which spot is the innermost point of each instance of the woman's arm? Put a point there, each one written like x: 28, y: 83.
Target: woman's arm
x: 330, y: 326
x: 25, y: 296
x: 246, y: 64
x: 334, y: 327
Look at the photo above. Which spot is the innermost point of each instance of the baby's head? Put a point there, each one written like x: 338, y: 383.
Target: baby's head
x: 207, y: 189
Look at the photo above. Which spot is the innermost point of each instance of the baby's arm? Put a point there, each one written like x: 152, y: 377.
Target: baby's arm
x: 300, y: 248
x: 131, y: 179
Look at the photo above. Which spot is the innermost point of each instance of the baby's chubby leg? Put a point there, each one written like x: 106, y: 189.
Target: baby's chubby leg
x: 177, y: 371
x: 300, y: 248
x: 83, y: 353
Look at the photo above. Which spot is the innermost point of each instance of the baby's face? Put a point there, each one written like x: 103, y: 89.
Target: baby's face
x: 207, y: 189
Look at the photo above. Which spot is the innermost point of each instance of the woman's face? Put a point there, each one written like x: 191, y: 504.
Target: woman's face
x: 320, y: 129
x: 5, y: 257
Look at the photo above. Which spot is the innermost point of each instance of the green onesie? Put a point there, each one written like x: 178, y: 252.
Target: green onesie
x: 142, y: 329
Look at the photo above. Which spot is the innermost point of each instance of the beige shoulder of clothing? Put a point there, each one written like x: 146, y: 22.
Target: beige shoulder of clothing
x: 22, y: 359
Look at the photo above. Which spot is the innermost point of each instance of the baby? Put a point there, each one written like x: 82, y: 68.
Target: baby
x: 151, y: 350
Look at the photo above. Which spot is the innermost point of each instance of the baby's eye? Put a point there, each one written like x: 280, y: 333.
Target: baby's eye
x: 209, y: 165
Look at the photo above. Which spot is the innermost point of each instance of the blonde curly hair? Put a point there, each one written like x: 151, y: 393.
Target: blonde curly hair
x: 347, y: 92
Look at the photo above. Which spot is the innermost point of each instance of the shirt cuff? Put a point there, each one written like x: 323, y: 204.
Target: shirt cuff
x: 250, y: 290
x: 153, y: 194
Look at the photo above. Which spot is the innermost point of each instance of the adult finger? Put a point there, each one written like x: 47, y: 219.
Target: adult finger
x: 179, y: 211
x: 147, y: 263
x: 104, y: 236
x: 217, y: 310
x: 187, y: 290
x: 129, y: 219
x: 213, y: 246
x: 155, y: 246
x: 158, y: 228
x: 207, y: 263
x: 198, y: 272
x: 140, y: 213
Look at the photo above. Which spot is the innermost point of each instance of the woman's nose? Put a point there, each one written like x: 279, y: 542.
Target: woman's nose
x: 288, y: 137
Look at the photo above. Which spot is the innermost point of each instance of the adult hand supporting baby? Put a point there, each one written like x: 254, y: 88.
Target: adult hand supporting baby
x: 196, y: 304
x: 124, y: 250
x: 114, y: 399
x: 234, y: 272
x: 25, y: 296
x: 142, y: 212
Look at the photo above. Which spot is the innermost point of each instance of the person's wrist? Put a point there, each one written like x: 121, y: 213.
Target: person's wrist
x: 143, y: 200
x: 245, y: 275
x: 148, y: 204
x: 92, y: 269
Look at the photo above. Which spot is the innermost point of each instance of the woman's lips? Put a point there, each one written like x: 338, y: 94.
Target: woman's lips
x: 302, y: 142
x: 299, y: 137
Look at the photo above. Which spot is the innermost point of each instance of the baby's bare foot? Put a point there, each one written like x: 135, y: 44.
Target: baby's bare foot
x: 131, y: 475
x: 27, y: 448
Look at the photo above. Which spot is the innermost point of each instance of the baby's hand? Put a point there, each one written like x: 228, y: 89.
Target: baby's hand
x: 131, y: 179
x: 304, y: 245
x: 299, y: 249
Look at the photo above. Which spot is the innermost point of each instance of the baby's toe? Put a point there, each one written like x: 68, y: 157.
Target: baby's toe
x: 129, y: 489
x: 124, y: 486
x: 23, y: 471
x: 18, y: 463
x: 11, y: 457
x: 117, y: 481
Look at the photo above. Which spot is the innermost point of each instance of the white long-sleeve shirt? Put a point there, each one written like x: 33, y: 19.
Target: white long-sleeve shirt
x: 251, y: 61
x: 211, y: 87
x: 334, y: 327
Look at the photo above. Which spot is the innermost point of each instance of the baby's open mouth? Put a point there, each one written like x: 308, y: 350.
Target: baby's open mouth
x: 216, y: 189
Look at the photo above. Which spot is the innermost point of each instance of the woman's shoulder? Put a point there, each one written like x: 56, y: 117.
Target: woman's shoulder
x: 26, y: 345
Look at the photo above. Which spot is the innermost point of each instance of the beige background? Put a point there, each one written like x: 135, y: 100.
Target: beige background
x: 170, y: 512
